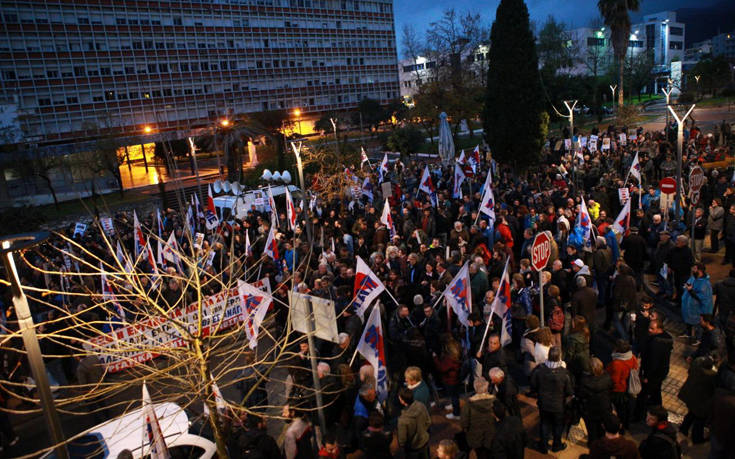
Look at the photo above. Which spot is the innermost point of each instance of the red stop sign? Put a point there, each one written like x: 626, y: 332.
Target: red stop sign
x: 541, y: 251
x: 668, y: 185
x: 696, y: 179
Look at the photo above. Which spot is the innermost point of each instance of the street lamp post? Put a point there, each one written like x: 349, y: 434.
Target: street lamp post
x: 336, y: 139
x: 667, y: 93
x: 570, y: 108
x: 613, y: 87
x: 679, y: 153
x: 297, y: 112
x: 30, y: 340
x: 297, y: 153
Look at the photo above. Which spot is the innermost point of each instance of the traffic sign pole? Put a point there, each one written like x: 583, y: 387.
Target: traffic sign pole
x: 540, y: 254
x: 541, y: 296
x: 696, y: 180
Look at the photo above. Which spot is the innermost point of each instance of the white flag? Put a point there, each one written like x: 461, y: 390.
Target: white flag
x: 371, y: 347
x: 387, y: 220
x: 255, y: 304
x: 487, y: 205
x: 623, y: 221
x: 501, y: 306
x: 152, y: 430
x: 458, y: 179
x: 367, y: 287
x: 635, y: 169
x: 290, y: 211
x: 459, y: 295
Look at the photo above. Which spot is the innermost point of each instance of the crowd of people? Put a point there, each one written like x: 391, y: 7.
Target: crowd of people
x: 599, y: 350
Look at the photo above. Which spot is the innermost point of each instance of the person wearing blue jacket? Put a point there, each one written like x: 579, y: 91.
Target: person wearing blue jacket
x: 696, y: 300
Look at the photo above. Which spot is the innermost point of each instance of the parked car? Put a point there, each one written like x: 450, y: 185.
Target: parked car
x: 108, y: 439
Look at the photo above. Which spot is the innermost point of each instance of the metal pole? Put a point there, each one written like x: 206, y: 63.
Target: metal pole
x: 314, y: 374
x: 667, y: 93
x: 613, y: 87
x: 196, y: 166
x: 679, y: 151
x: 30, y: 340
x: 571, y: 134
x: 541, y: 296
x: 693, y: 210
x: 336, y: 137
x: 216, y: 151
x: 297, y: 152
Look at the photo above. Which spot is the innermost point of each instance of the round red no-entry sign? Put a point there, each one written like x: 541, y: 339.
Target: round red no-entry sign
x: 541, y: 251
x: 668, y: 185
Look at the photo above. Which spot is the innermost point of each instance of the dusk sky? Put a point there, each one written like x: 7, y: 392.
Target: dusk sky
x: 577, y: 13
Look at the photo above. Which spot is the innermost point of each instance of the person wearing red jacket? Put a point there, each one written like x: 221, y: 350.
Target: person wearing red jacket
x: 448, y: 366
x: 623, y: 361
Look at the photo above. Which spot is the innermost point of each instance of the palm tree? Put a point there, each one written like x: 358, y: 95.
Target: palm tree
x: 233, y: 137
x: 615, y: 15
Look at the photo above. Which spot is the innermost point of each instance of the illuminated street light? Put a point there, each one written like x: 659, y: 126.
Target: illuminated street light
x: 297, y: 114
x: 147, y: 129
x: 225, y: 122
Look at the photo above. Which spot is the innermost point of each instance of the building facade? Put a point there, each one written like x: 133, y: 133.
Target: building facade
x: 664, y: 36
x: 72, y: 69
x: 658, y: 34
x: 724, y: 45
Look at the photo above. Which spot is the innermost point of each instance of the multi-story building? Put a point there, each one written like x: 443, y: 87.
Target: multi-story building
x: 658, y: 34
x: 73, y: 69
x: 697, y: 51
x: 592, y: 49
x: 724, y: 45
x: 414, y: 72
x: 664, y: 36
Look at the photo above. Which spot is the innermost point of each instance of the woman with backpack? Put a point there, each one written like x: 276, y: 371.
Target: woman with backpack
x: 620, y: 368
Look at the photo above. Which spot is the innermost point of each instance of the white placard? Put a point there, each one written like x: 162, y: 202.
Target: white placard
x: 606, y: 143
x: 263, y: 284
x: 583, y: 141
x: 80, y: 229
x: 325, y: 321
x: 198, y: 240
x: 623, y: 195
x: 567, y: 144
x: 107, y: 226
x: 623, y: 138
x: 593, y: 144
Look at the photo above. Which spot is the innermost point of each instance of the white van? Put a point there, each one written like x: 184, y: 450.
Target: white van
x: 108, y: 439
x: 239, y: 206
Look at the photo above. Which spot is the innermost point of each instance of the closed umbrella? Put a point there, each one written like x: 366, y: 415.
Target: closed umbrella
x: 446, y: 143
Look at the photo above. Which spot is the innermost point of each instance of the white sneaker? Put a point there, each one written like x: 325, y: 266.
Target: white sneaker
x: 448, y: 407
x: 451, y: 416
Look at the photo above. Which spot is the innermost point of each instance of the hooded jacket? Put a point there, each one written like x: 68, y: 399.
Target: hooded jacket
x: 477, y: 420
x: 698, y: 301
x: 413, y: 427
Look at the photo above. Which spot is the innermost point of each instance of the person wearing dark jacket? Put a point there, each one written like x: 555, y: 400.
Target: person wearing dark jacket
x: 655, y: 358
x: 634, y: 247
x: 478, y: 421
x: 723, y: 293
x: 697, y: 393
x: 613, y: 444
x: 254, y: 438
x: 375, y: 439
x: 680, y: 261
x: 661, y: 442
x: 642, y: 320
x: 584, y: 302
x: 493, y: 357
x: 509, y: 441
x: 505, y: 390
x: 594, y: 392
x: 413, y: 426
x: 552, y: 383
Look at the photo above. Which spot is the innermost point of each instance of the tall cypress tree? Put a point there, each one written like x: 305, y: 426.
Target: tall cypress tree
x: 514, y: 126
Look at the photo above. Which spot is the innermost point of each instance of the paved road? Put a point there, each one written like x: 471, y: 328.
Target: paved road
x: 706, y: 118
